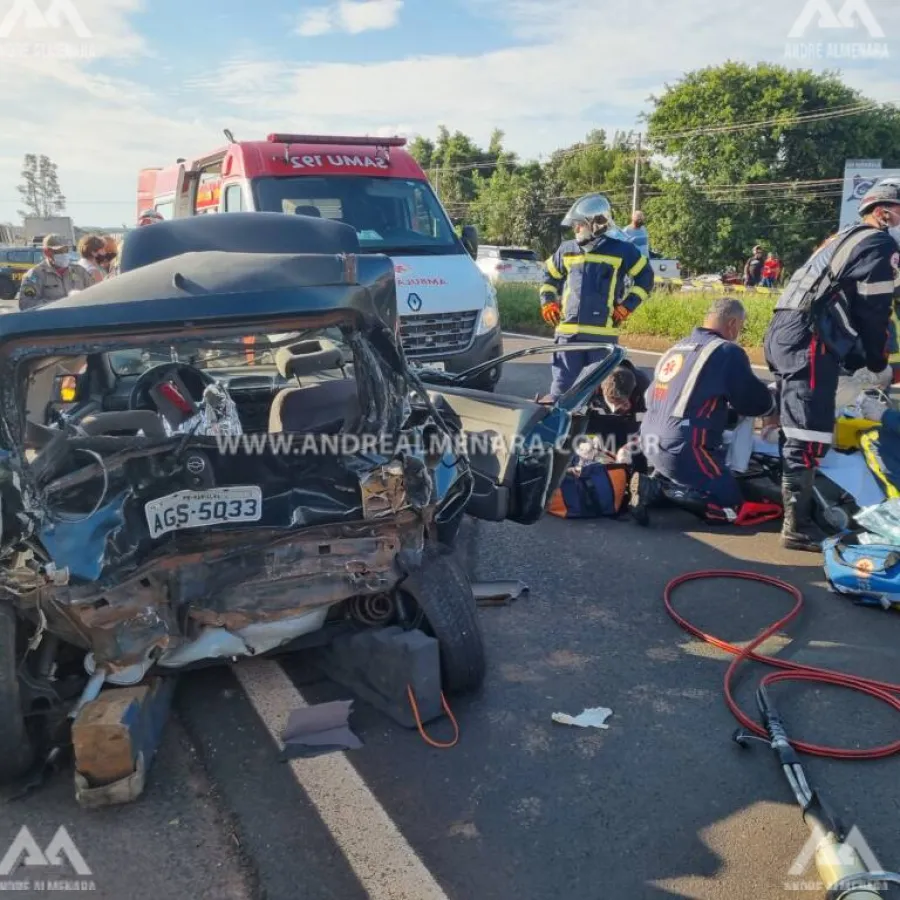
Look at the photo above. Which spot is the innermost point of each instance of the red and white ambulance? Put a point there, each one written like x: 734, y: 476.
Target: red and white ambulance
x: 448, y: 309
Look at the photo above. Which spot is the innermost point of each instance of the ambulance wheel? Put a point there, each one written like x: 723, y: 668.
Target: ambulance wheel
x: 444, y: 594
x: 16, y: 750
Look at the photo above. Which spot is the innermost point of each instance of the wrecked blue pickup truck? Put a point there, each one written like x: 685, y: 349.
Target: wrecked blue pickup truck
x: 222, y: 451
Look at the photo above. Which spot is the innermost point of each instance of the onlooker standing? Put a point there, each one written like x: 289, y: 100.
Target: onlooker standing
x: 91, y: 249
x: 771, y: 271
x: 753, y: 271
x: 637, y: 233
x: 54, y: 277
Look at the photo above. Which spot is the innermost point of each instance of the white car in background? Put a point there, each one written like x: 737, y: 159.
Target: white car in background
x: 509, y: 264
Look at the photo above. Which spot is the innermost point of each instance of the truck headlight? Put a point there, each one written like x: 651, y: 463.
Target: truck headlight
x: 490, y: 314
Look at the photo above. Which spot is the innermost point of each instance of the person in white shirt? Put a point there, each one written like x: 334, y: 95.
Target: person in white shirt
x: 90, y: 249
x: 637, y: 233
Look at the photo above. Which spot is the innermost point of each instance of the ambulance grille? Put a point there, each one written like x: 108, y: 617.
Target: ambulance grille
x: 437, y: 334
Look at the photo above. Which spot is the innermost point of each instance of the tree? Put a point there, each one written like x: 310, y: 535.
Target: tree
x: 40, y: 189
x: 735, y: 135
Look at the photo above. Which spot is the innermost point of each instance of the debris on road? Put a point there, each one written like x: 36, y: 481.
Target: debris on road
x: 589, y: 718
x: 316, y: 730
x: 498, y: 593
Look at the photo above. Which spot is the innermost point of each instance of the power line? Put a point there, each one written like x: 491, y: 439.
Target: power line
x: 836, y: 112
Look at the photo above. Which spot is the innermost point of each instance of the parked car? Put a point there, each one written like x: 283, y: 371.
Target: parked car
x: 223, y: 451
x: 510, y: 264
x: 664, y: 268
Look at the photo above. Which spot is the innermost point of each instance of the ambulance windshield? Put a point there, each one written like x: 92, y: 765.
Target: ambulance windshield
x: 391, y: 215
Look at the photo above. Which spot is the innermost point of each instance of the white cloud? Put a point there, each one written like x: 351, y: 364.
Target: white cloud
x: 351, y: 16
x: 548, y: 91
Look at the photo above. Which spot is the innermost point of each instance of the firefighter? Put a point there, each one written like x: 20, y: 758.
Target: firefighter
x: 697, y: 386
x: 835, y: 313
x: 54, y: 277
x: 584, y: 288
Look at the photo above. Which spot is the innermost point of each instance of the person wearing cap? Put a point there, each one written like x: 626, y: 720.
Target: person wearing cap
x: 54, y: 277
x: 584, y: 294
x: 149, y: 217
x: 834, y: 315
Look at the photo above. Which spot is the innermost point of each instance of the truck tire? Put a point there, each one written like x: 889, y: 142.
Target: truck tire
x: 16, y: 750
x: 8, y: 288
x: 444, y: 594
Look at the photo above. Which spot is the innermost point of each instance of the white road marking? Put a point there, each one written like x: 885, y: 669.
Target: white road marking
x: 531, y: 337
x: 385, y: 864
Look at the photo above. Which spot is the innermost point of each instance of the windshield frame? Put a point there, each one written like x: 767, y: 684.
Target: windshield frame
x: 454, y: 247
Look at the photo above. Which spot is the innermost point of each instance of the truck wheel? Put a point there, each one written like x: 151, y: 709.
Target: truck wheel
x: 444, y: 594
x: 16, y: 750
x: 8, y: 289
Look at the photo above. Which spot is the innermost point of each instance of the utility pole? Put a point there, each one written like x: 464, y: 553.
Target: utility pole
x: 636, y: 197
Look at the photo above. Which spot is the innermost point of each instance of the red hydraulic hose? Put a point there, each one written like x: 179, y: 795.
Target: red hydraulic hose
x: 881, y: 690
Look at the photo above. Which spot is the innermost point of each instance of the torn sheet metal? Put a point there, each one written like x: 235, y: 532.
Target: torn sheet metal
x: 316, y: 730
x: 498, y: 593
x: 590, y: 718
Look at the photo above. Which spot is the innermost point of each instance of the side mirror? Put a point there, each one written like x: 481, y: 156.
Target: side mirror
x: 469, y: 238
x: 66, y: 389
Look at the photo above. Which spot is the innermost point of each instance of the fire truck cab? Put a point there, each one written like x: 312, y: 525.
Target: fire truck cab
x: 448, y: 308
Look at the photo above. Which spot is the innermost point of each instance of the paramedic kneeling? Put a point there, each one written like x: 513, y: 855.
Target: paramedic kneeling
x: 696, y: 385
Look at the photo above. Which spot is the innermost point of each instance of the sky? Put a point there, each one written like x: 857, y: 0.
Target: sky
x: 107, y: 87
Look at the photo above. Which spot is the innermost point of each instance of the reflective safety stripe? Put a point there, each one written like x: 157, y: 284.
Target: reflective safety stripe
x: 873, y: 460
x: 615, y: 262
x: 639, y: 292
x: 638, y: 267
x: 875, y: 288
x: 812, y: 437
x: 575, y: 328
x: 691, y: 381
x: 554, y: 272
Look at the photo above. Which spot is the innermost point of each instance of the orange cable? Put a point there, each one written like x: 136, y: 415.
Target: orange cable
x: 446, y: 707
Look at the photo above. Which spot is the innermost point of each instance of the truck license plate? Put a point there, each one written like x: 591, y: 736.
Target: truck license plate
x: 199, y: 509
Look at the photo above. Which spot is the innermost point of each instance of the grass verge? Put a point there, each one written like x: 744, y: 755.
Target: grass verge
x: 665, y: 315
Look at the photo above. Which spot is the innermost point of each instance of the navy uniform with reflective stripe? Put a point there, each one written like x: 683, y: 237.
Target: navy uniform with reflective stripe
x: 587, y: 281
x: 850, y: 281
x: 695, y: 386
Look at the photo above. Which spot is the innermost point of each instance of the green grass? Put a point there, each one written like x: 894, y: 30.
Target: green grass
x: 664, y: 315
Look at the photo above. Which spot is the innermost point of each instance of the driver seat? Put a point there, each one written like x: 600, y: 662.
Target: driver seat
x: 318, y: 408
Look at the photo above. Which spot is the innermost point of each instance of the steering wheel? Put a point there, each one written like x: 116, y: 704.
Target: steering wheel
x: 194, y: 379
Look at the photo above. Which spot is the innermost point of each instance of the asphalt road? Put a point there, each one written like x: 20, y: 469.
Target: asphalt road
x: 660, y: 805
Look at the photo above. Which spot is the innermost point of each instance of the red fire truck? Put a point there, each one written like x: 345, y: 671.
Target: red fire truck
x: 448, y: 309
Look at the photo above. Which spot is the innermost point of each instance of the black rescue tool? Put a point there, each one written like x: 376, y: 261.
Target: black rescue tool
x: 843, y: 873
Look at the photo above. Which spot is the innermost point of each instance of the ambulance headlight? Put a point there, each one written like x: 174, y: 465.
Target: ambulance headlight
x: 490, y: 314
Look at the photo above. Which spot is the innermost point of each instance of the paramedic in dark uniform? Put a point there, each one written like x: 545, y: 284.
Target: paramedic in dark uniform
x: 835, y: 313
x: 697, y: 384
x: 584, y: 292
x: 54, y: 277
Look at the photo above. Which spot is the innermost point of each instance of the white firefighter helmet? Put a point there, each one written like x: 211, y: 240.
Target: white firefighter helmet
x: 592, y: 209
